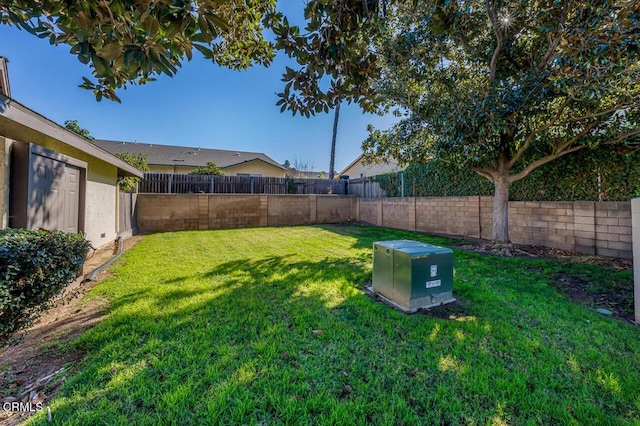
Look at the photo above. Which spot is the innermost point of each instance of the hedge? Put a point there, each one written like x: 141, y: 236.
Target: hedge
x: 588, y: 175
x: 35, y: 266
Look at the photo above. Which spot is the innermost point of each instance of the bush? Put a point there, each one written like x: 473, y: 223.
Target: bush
x: 601, y: 174
x: 435, y: 179
x: 35, y: 266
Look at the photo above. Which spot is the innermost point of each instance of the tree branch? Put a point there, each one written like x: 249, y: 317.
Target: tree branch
x: 485, y: 172
x: 582, y: 133
x: 615, y: 108
x: 553, y: 43
x: 499, y: 38
x: 531, y: 167
x: 533, y: 133
x: 622, y: 137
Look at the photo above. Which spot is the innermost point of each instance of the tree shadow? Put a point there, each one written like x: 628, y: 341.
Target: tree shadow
x: 287, y: 339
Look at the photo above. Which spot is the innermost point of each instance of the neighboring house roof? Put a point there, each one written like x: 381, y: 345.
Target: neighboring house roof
x: 391, y: 165
x: 21, y: 123
x: 168, y: 155
x: 299, y: 174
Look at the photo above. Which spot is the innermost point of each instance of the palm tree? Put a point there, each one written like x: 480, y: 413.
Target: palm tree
x: 336, y: 117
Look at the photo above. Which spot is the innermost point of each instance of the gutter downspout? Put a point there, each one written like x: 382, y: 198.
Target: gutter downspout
x: 92, y: 274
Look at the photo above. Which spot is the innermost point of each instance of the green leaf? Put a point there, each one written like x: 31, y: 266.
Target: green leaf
x: 111, y: 51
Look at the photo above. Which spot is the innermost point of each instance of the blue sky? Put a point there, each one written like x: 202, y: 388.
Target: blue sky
x: 203, y: 106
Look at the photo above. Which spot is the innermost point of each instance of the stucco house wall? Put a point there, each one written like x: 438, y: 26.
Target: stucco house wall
x: 357, y: 169
x: 255, y: 168
x: 101, y: 207
x: 99, y: 191
x: 101, y: 215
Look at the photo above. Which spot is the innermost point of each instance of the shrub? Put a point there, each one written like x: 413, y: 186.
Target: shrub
x: 139, y: 161
x: 35, y: 266
x: 601, y: 174
x: 211, y: 169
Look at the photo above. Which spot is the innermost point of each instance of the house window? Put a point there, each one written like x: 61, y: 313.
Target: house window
x: 249, y: 175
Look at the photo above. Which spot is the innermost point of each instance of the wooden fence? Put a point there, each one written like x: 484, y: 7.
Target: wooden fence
x: 127, y: 214
x: 170, y: 183
x: 366, y: 187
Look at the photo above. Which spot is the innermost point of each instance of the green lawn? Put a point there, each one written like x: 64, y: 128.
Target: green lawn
x: 222, y: 327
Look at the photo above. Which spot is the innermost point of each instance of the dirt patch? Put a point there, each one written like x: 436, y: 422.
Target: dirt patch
x: 39, y: 359
x: 533, y: 252
x: 616, y: 302
x: 454, y: 311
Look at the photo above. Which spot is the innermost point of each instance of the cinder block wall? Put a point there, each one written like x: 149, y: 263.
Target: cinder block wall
x: 399, y: 213
x: 174, y: 212
x: 461, y: 215
x: 168, y: 212
x: 602, y: 228
x: 369, y: 210
x: 235, y: 211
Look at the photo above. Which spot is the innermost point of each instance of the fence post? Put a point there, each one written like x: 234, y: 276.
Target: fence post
x: 170, y: 184
x: 402, y: 184
x: 252, y: 182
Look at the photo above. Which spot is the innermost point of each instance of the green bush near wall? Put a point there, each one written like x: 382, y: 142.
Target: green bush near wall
x: 35, y: 266
x: 434, y: 179
x: 588, y: 175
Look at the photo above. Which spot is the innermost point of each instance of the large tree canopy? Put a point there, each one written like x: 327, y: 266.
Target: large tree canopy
x: 131, y: 41
x: 502, y: 87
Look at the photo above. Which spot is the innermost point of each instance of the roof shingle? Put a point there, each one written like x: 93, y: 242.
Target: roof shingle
x: 185, y: 156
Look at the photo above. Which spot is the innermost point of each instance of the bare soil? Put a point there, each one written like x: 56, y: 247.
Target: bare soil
x: 618, y: 302
x: 532, y: 252
x: 38, y: 360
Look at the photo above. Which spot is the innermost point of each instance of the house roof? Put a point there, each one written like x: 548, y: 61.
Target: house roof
x: 387, y: 160
x: 304, y: 174
x: 168, y: 155
x: 349, y: 166
x: 21, y: 123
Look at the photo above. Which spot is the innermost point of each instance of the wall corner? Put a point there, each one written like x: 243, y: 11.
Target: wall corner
x: 635, y: 238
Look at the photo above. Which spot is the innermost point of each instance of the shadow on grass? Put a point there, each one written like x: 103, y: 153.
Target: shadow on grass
x: 290, y: 339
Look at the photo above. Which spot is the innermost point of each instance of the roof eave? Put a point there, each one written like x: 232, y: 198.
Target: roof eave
x: 19, y: 122
x: 350, y: 165
x: 255, y: 159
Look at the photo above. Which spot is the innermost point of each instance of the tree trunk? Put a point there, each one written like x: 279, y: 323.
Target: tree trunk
x: 336, y: 117
x: 500, y: 228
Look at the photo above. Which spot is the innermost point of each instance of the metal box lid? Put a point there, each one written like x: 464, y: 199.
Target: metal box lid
x: 423, y: 250
x: 394, y: 244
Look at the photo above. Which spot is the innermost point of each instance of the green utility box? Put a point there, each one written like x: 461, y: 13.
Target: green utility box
x: 413, y: 275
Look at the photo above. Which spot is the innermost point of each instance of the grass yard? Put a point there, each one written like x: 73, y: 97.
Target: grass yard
x: 270, y: 326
